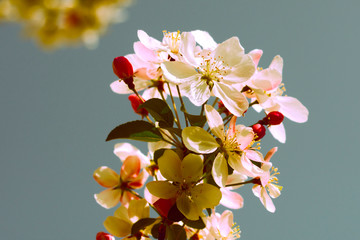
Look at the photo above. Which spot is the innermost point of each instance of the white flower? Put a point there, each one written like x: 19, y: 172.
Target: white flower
x: 202, y: 73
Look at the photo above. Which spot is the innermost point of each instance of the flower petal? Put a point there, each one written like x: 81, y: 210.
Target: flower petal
x: 130, y: 168
x: 267, y: 79
x: 199, y: 140
x: 197, y: 91
x: 231, y: 199
x: 187, y: 207
x: 123, y: 150
x: 220, y: 170
x: 266, y: 200
x: 244, y: 136
x: 230, y: 51
x: 144, y: 53
x: 274, y: 191
x: 138, y: 209
x: 226, y: 222
x: 277, y: 64
x: 108, y: 198
x: 292, y: 109
x: 192, y: 168
x: 170, y: 166
x: 256, y: 55
x: 106, y: 177
x: 148, y: 41
x: 241, y: 72
x: 162, y: 189
x: 206, y: 195
x: 215, y: 122
x: 117, y: 227
x: 232, y: 99
x: 179, y: 72
x: 278, y: 132
x: 204, y: 39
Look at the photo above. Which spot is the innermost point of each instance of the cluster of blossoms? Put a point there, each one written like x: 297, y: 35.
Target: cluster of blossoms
x: 54, y: 23
x: 195, y: 162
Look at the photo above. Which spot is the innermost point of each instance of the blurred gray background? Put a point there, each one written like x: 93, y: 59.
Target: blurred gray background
x: 57, y: 108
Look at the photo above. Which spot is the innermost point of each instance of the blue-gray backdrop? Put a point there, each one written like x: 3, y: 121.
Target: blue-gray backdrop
x: 57, y: 108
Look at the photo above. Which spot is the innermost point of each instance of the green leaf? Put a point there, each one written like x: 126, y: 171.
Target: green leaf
x: 141, y: 224
x: 157, y: 154
x: 160, y: 111
x: 196, y: 120
x: 136, y: 130
x: 198, y: 224
x: 175, y: 232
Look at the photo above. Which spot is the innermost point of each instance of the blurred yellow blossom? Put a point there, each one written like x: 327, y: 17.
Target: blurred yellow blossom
x: 57, y: 23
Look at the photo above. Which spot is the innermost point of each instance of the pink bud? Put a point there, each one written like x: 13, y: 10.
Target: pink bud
x: 259, y: 130
x: 104, y: 236
x: 135, y: 103
x: 275, y: 118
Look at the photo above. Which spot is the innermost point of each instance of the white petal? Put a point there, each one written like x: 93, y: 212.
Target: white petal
x: 230, y: 51
x: 144, y: 53
x: 148, y: 41
x: 242, y: 71
x: 187, y: 48
x: 233, y: 100
x: 215, y: 122
x: 292, y: 109
x: 278, y: 132
x: 273, y: 190
x: 124, y: 150
x: 179, y: 72
x: 204, y: 39
x: 220, y: 170
x: 197, y: 91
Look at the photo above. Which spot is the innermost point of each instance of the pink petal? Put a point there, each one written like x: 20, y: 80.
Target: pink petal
x: 292, y: 109
x: 256, y: 55
x: 266, y: 201
x: 278, y: 132
x: 231, y: 199
x: 144, y: 53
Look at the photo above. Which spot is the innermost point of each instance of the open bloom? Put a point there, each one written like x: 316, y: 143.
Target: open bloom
x: 120, y: 187
x: 220, y: 227
x: 183, y: 183
x: 120, y: 224
x: 234, y: 145
x: 266, y: 182
x: 266, y: 87
x: 202, y: 73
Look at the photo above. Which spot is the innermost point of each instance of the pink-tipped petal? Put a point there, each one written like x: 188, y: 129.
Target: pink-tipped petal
x: 231, y: 199
x: 130, y: 168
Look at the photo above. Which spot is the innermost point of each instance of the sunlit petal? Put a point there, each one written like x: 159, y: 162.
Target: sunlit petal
x: 106, y: 177
x: 162, y: 189
x: 199, y: 140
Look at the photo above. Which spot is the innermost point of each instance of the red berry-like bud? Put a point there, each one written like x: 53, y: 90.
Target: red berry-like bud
x: 122, y: 67
x: 135, y: 103
x: 124, y: 70
x: 104, y: 236
x: 275, y: 118
x: 259, y: 130
x: 163, y: 206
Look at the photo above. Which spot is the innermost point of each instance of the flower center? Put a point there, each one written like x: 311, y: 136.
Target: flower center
x: 172, y: 39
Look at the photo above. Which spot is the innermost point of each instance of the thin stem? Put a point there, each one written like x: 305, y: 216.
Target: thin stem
x: 215, y: 101
x: 182, y: 105
x: 238, y: 184
x: 202, y: 108
x: 174, y: 106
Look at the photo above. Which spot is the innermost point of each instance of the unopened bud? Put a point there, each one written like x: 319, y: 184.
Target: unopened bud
x: 124, y: 70
x: 259, y: 130
x: 275, y: 118
x: 104, y: 236
x: 135, y: 103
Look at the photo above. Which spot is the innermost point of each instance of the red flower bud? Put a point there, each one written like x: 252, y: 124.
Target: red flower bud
x: 163, y: 205
x: 135, y: 103
x: 104, y: 236
x: 275, y: 118
x: 124, y: 70
x: 259, y: 130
